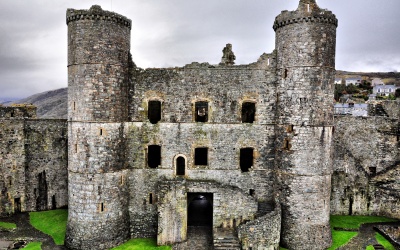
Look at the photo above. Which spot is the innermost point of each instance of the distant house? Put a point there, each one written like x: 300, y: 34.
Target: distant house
x: 353, y: 109
x: 377, y: 82
x: 384, y: 90
x: 338, y: 80
x: 353, y: 80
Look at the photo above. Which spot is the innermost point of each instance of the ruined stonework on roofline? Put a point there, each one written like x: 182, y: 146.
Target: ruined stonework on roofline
x: 257, y: 143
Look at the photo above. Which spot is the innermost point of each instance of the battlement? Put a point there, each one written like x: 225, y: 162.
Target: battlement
x: 97, y: 13
x: 18, y: 111
x: 308, y: 11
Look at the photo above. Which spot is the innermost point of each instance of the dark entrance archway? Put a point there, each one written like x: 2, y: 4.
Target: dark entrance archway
x: 200, y: 209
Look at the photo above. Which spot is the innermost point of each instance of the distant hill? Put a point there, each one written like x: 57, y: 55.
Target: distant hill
x: 387, y: 77
x: 50, y: 104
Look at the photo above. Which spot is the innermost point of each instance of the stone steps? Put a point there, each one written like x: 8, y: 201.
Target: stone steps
x: 226, y: 244
x: 378, y: 247
x: 226, y: 240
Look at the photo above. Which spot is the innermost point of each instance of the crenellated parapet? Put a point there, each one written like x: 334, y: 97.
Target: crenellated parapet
x: 97, y: 13
x: 316, y: 19
x: 308, y: 11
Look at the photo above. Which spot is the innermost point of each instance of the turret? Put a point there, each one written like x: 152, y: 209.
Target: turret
x: 98, y: 82
x: 305, y: 44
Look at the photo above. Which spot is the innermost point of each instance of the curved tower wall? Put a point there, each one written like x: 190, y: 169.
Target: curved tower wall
x: 98, y: 70
x: 305, y: 43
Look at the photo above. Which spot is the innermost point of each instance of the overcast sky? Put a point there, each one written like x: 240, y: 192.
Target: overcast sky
x: 33, y: 40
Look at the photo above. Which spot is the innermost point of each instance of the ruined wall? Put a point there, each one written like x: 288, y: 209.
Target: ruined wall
x: 46, y: 164
x: 366, y: 166
x: 225, y: 88
x: 262, y: 233
x: 33, y: 161
x: 12, y: 166
x: 392, y: 108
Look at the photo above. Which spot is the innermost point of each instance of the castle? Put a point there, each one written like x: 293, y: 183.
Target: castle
x: 252, y: 150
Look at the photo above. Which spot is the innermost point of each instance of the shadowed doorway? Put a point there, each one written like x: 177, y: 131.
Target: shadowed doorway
x: 200, y: 209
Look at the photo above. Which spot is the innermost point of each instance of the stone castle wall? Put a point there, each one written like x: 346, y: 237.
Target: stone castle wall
x: 33, y: 162
x: 98, y: 86
x: 305, y: 45
x: 115, y: 194
x: 366, y: 164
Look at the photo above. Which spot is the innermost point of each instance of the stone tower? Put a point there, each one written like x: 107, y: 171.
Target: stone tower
x: 98, y: 83
x: 305, y: 44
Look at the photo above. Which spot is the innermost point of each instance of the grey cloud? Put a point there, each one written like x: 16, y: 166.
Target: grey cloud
x: 33, y: 46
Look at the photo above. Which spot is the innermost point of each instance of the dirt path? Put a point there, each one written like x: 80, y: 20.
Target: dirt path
x: 365, y: 237
x: 26, y: 232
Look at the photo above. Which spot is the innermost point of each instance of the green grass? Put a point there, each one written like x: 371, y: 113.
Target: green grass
x: 370, y: 247
x: 7, y: 225
x: 53, y: 223
x: 141, y: 244
x: 340, y: 238
x: 384, y: 242
x: 34, y: 246
x: 354, y: 222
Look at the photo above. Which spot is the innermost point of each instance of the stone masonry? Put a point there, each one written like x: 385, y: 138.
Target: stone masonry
x: 256, y: 143
x: 33, y: 161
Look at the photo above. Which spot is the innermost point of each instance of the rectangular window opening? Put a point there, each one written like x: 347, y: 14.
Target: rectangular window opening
x: 76, y: 148
x: 101, y: 132
x: 286, y: 144
x: 246, y: 159
x: 101, y: 207
x: 74, y: 106
x: 252, y: 192
x: 154, y: 111
x: 290, y: 128
x: 151, y: 198
x: 372, y: 170
x: 248, y: 112
x: 201, y: 156
x: 154, y: 156
x: 201, y: 111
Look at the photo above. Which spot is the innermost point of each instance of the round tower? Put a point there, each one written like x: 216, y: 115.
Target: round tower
x: 98, y: 84
x: 305, y: 44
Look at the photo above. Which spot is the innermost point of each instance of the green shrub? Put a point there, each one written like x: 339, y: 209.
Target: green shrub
x: 370, y: 247
x: 34, y: 246
x: 141, y: 244
x: 53, y: 223
x: 7, y: 225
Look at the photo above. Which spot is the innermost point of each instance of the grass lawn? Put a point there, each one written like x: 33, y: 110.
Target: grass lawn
x: 340, y: 238
x: 33, y: 246
x: 141, y: 244
x: 354, y: 222
x: 7, y: 225
x: 384, y: 242
x: 53, y: 223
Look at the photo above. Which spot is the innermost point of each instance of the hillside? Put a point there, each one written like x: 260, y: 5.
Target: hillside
x: 387, y: 77
x: 50, y: 104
